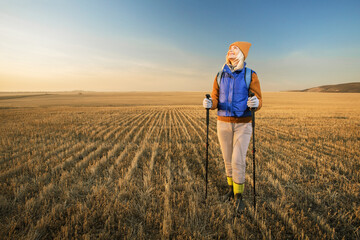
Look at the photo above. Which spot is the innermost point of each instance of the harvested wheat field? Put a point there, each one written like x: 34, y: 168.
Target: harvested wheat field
x: 115, y: 166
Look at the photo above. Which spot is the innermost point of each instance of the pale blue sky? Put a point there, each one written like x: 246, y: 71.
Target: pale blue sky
x: 174, y: 45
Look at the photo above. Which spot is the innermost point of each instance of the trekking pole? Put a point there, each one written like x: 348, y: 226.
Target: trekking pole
x: 207, y: 146
x: 253, y: 151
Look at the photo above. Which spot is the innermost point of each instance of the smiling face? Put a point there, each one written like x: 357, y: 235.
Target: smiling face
x: 235, y: 57
x: 233, y: 53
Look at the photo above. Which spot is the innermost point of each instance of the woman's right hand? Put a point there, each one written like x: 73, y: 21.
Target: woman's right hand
x: 207, y: 102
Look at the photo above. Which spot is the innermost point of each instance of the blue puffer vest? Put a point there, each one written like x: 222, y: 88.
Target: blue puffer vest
x: 233, y: 94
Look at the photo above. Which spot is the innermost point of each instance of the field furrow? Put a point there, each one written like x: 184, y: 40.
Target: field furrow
x: 138, y: 172
x: 308, y: 199
x: 49, y: 180
x: 48, y: 148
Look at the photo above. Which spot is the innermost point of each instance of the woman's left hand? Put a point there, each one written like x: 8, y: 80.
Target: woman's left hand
x: 253, y: 102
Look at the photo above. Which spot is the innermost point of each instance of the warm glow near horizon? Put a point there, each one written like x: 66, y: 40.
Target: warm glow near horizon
x: 141, y: 46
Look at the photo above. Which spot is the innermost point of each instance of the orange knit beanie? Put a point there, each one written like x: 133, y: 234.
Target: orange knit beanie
x: 244, y: 47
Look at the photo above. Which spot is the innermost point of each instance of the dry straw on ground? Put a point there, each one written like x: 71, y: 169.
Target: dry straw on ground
x: 108, y: 170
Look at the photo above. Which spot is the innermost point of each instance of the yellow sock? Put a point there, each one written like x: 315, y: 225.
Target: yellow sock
x: 238, y: 188
x: 230, y: 181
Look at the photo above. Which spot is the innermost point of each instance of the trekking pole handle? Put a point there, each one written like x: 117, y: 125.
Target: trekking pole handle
x: 207, y: 110
x: 208, y: 97
x: 251, y: 94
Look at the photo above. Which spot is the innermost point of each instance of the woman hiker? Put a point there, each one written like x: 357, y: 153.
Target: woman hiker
x: 230, y: 95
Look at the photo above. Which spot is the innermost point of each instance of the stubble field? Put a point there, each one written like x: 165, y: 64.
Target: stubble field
x: 105, y: 166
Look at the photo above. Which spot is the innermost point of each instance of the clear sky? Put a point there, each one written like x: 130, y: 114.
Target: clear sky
x: 168, y: 45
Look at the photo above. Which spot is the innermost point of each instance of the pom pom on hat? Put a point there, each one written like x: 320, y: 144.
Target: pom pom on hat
x: 243, y: 46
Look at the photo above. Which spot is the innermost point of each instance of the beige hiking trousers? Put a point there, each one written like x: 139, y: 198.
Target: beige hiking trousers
x: 234, y: 140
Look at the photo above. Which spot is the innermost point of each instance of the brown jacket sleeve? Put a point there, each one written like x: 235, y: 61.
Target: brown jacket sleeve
x: 215, y: 94
x: 255, y: 88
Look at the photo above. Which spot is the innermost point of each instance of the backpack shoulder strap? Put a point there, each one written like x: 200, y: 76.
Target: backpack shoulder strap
x: 248, y: 74
x: 218, y: 77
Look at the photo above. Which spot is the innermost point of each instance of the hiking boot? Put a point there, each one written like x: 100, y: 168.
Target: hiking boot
x: 228, y: 196
x: 239, y: 203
